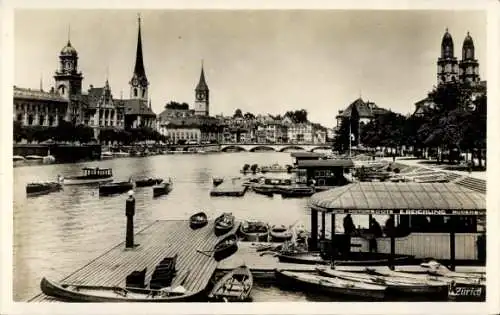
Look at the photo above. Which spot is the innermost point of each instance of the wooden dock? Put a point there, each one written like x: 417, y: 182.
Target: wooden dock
x: 230, y: 187
x: 159, y: 240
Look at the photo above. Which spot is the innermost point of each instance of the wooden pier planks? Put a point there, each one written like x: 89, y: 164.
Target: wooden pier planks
x: 157, y: 241
x: 232, y: 187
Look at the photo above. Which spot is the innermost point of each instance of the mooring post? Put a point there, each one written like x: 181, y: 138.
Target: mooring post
x: 323, y: 219
x: 452, y: 242
x: 130, y: 212
x: 314, y: 229
x: 393, y: 244
x: 332, y: 241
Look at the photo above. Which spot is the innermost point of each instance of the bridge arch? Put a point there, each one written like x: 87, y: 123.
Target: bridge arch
x: 322, y: 147
x: 265, y: 147
x: 235, y: 147
x: 291, y: 147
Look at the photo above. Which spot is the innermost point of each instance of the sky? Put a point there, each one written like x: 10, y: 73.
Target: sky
x: 257, y: 61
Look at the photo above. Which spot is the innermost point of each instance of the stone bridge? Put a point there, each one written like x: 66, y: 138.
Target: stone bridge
x: 274, y: 147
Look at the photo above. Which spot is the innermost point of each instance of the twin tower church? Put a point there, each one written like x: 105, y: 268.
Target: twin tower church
x: 96, y: 107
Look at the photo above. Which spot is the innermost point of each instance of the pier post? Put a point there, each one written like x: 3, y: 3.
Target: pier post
x: 130, y: 212
x: 452, y: 242
x: 323, y: 219
x: 332, y: 241
x: 314, y: 230
x: 393, y: 246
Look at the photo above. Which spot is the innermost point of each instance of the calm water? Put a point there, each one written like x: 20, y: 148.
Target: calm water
x: 57, y: 233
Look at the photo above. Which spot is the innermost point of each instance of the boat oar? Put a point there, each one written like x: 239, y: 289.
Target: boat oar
x: 206, y: 252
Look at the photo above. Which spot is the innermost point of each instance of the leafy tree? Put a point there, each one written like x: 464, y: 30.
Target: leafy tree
x: 237, y: 113
x: 297, y: 116
x: 249, y: 116
x: 176, y: 105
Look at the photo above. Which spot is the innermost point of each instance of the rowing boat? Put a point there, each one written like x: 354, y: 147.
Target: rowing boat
x: 198, y: 220
x: 96, y: 293
x: 234, y: 286
x: 393, y: 283
x: 311, y: 281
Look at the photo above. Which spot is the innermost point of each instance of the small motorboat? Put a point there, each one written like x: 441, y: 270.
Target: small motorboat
x: 396, y: 284
x: 95, y: 293
x: 90, y: 176
x: 308, y: 258
x: 224, y: 223
x: 37, y: 189
x: 226, y: 247
x: 280, y: 233
x: 275, y: 168
x: 435, y: 268
x: 296, y: 191
x: 146, y: 181
x: 427, y: 277
x: 262, y: 190
x: 217, y: 181
x: 235, y: 286
x: 120, y: 154
x: 34, y: 158
x: 115, y: 188
x: 254, y: 231
x: 198, y: 220
x: 314, y: 282
x: 162, y: 188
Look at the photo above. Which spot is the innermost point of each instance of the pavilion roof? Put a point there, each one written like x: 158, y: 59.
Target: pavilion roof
x: 402, y: 198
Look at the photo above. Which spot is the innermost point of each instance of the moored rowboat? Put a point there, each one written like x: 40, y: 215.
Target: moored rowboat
x: 254, y: 231
x: 198, y: 220
x: 36, y: 189
x: 406, y: 285
x: 162, y: 188
x: 226, y: 247
x: 312, y: 281
x: 115, y: 188
x: 235, y: 286
x: 89, y: 293
x: 280, y: 233
x: 224, y: 223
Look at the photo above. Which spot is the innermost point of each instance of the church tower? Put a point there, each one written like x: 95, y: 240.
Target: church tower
x: 67, y: 78
x: 139, y: 82
x: 469, y: 66
x: 447, y: 63
x: 201, y: 105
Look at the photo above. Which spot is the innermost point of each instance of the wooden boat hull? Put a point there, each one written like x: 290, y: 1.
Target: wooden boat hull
x: 235, y: 286
x: 161, y: 189
x: 396, y: 284
x: 198, y: 220
x: 225, y: 248
x: 148, y: 182
x: 112, y: 189
x: 221, y: 228
x: 314, y: 282
x: 263, y: 191
x: 42, y: 189
x: 82, y: 181
x: 292, y: 192
x: 312, y: 258
x: 254, y: 236
x: 106, y: 294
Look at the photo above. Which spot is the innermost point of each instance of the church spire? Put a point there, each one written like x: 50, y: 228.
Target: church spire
x: 202, y: 84
x: 139, y: 63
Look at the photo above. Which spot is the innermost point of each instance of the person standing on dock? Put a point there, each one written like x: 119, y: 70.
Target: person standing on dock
x: 376, y: 231
x: 348, y: 225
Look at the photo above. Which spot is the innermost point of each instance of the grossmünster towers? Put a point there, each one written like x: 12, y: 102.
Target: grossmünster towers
x: 450, y: 70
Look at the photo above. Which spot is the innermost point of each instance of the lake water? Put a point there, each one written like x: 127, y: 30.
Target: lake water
x: 57, y: 233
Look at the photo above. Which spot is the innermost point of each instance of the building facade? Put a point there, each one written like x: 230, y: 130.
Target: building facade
x: 96, y: 108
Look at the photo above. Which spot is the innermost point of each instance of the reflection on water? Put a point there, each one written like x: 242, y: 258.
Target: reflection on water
x: 57, y: 233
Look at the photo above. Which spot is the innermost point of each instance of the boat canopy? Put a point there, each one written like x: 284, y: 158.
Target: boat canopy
x: 400, y: 198
x: 97, y: 171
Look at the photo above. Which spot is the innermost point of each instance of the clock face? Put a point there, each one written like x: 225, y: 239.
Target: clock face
x: 200, y: 96
x: 144, y: 82
x: 135, y: 82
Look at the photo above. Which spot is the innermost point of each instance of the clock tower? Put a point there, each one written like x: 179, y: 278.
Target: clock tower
x: 202, y: 103
x: 67, y: 78
x: 139, y: 82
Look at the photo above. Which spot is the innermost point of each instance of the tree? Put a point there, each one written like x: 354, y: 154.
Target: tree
x: 297, y: 116
x: 237, y: 113
x: 249, y: 116
x: 176, y: 105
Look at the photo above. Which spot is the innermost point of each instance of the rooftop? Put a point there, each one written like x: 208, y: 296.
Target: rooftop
x: 29, y: 94
x: 324, y: 163
x: 397, y: 197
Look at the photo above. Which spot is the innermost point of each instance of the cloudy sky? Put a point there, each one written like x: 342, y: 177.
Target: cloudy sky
x: 258, y: 61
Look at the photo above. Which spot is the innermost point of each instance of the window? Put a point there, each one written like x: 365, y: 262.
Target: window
x: 143, y: 92
x: 20, y: 117
x: 30, y: 120
x: 41, y: 119
x: 135, y: 92
x: 51, y: 120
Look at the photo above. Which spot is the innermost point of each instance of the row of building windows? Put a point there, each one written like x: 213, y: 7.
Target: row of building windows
x: 31, y: 121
